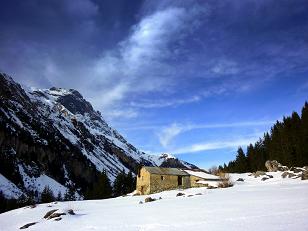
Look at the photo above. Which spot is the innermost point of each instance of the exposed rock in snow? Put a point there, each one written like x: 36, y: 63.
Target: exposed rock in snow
x: 274, y: 166
x: 305, y: 175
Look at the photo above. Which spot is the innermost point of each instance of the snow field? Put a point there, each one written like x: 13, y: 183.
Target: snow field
x: 274, y: 204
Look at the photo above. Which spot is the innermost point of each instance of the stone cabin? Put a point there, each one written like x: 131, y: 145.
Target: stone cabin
x: 155, y: 179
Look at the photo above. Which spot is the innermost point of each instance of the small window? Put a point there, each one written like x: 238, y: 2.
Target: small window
x: 162, y: 177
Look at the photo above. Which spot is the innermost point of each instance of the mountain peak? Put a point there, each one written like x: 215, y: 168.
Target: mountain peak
x: 57, y: 133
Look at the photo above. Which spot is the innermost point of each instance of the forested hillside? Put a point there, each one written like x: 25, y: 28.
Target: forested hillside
x: 287, y: 142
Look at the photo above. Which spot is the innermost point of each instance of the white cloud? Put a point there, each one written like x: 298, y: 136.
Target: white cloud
x: 225, y: 67
x: 165, y: 103
x: 139, y: 64
x: 168, y: 133
x: 215, y: 145
x: 118, y: 113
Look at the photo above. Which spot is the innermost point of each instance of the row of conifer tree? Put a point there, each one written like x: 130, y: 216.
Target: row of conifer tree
x: 287, y: 142
x: 102, y: 189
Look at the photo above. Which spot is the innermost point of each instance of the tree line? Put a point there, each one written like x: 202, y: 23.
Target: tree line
x: 102, y: 189
x: 286, y: 142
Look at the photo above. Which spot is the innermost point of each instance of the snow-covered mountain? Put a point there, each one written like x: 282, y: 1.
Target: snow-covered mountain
x: 54, y: 137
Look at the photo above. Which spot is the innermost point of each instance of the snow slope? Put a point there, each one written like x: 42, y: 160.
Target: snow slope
x: 202, y: 174
x: 9, y: 189
x: 274, y: 204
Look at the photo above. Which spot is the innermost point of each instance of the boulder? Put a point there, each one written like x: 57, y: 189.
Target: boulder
x: 264, y: 178
x: 283, y: 168
x: 258, y: 173
x: 284, y: 175
x: 274, y: 166
x: 55, y: 215
x: 211, y: 187
x: 49, y: 213
x: 27, y: 225
x: 270, y: 176
x: 296, y: 170
x: 180, y: 194
x: 240, y: 179
x: 149, y: 199
x: 291, y: 174
x: 288, y: 174
x: 71, y: 212
x: 305, y: 175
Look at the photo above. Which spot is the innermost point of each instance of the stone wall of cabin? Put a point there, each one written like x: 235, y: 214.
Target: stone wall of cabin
x: 194, y: 179
x: 167, y: 183
x: 143, y: 182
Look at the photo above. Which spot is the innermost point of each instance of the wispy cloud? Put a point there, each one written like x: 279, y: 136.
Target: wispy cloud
x: 165, y: 102
x: 139, y: 64
x: 214, y: 145
x: 168, y: 133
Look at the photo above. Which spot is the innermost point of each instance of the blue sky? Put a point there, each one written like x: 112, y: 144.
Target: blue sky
x: 192, y: 78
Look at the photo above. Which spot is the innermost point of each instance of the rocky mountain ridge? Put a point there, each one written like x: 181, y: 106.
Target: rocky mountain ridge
x: 54, y: 137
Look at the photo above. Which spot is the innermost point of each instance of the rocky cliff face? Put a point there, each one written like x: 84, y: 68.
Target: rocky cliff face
x: 54, y: 137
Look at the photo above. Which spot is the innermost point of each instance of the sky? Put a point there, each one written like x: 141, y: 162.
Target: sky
x: 196, y: 79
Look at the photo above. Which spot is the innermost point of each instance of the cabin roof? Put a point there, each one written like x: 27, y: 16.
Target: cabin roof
x: 166, y: 171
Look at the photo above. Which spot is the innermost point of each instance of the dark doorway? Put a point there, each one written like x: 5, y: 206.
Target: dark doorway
x: 180, y: 181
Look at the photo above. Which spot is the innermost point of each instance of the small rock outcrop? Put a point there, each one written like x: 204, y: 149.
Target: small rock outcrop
x: 49, y: 213
x: 258, y: 173
x: 274, y: 166
x: 27, y: 225
x: 71, y: 212
x: 149, y: 199
x: 288, y: 174
x: 305, y: 175
x: 180, y: 194
x: 296, y: 170
x: 240, y: 179
x: 55, y: 215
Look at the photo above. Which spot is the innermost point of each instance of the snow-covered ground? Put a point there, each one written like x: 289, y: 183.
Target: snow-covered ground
x: 274, y: 204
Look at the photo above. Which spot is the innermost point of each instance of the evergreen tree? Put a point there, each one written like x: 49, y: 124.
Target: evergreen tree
x: 59, y: 196
x: 241, y: 164
x: 304, y: 132
x: 102, y: 188
x: 124, y: 183
x: 70, y: 194
x: 47, y: 195
x: 119, y: 184
x: 130, y: 182
x: 287, y: 143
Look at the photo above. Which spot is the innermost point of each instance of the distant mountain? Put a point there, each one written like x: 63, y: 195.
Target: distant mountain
x: 54, y: 137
